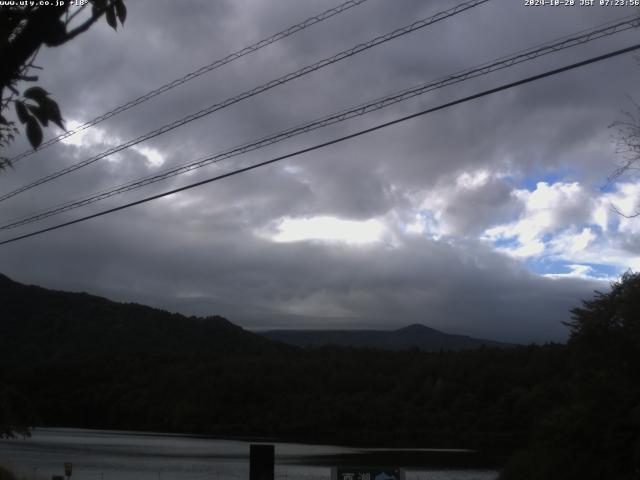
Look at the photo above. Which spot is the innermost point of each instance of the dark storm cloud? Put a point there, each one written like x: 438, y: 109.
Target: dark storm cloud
x: 205, y: 251
x: 464, y: 288
x: 473, y: 210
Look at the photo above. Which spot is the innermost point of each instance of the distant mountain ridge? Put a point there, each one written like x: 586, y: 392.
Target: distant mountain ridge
x: 67, y: 323
x: 413, y: 336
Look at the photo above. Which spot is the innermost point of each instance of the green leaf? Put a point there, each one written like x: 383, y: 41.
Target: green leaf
x: 34, y: 132
x: 35, y: 93
x: 111, y: 17
x: 21, y: 111
x: 121, y: 10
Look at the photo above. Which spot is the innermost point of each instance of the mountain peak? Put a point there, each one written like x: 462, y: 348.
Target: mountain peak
x: 412, y: 336
x: 415, y: 328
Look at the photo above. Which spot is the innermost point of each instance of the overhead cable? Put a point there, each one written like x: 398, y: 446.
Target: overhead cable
x: 533, y: 78
x: 608, y: 29
x: 255, y: 91
x: 196, y: 73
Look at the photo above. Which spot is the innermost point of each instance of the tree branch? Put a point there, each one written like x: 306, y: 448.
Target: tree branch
x: 72, y: 16
x: 622, y: 214
x: 86, y: 25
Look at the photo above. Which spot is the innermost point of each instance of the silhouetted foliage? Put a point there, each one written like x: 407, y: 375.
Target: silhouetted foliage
x: 610, y: 320
x: 24, y: 28
x: 594, y: 431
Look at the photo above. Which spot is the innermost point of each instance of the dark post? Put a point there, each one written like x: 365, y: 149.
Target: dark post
x: 261, y: 462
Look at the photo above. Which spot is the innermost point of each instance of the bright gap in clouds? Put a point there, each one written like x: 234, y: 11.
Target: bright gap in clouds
x: 99, y: 137
x: 153, y: 156
x: 567, y: 230
x: 89, y: 137
x: 585, y: 271
x: 329, y: 229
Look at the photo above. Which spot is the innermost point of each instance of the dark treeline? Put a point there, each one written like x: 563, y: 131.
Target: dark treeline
x: 557, y: 411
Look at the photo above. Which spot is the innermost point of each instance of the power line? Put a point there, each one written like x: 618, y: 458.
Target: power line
x: 579, y: 38
x: 334, y: 141
x: 255, y: 91
x: 196, y: 73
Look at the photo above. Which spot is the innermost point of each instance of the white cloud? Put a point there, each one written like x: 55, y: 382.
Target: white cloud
x: 531, y: 248
x: 473, y: 180
x: 101, y: 138
x: 566, y: 222
x: 571, y: 243
x: 549, y: 209
x: 153, y: 156
x: 417, y: 226
x: 468, y: 204
x: 625, y: 200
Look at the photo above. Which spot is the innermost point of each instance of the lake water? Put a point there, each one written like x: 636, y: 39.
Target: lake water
x: 115, y: 455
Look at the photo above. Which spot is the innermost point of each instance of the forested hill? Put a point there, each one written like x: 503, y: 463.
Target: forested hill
x: 563, y: 411
x: 64, y: 322
x: 37, y: 322
x: 413, y: 336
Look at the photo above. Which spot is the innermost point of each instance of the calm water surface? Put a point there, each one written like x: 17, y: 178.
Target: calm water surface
x: 114, y: 455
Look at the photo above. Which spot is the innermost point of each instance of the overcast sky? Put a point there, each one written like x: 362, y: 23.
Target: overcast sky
x: 490, y: 218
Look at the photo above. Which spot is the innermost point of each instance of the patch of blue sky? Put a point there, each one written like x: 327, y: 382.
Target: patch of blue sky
x: 599, y: 270
x: 597, y: 228
x: 507, y: 242
x: 551, y: 266
x: 545, y: 265
x: 530, y: 181
x: 606, y: 187
x: 546, y: 238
